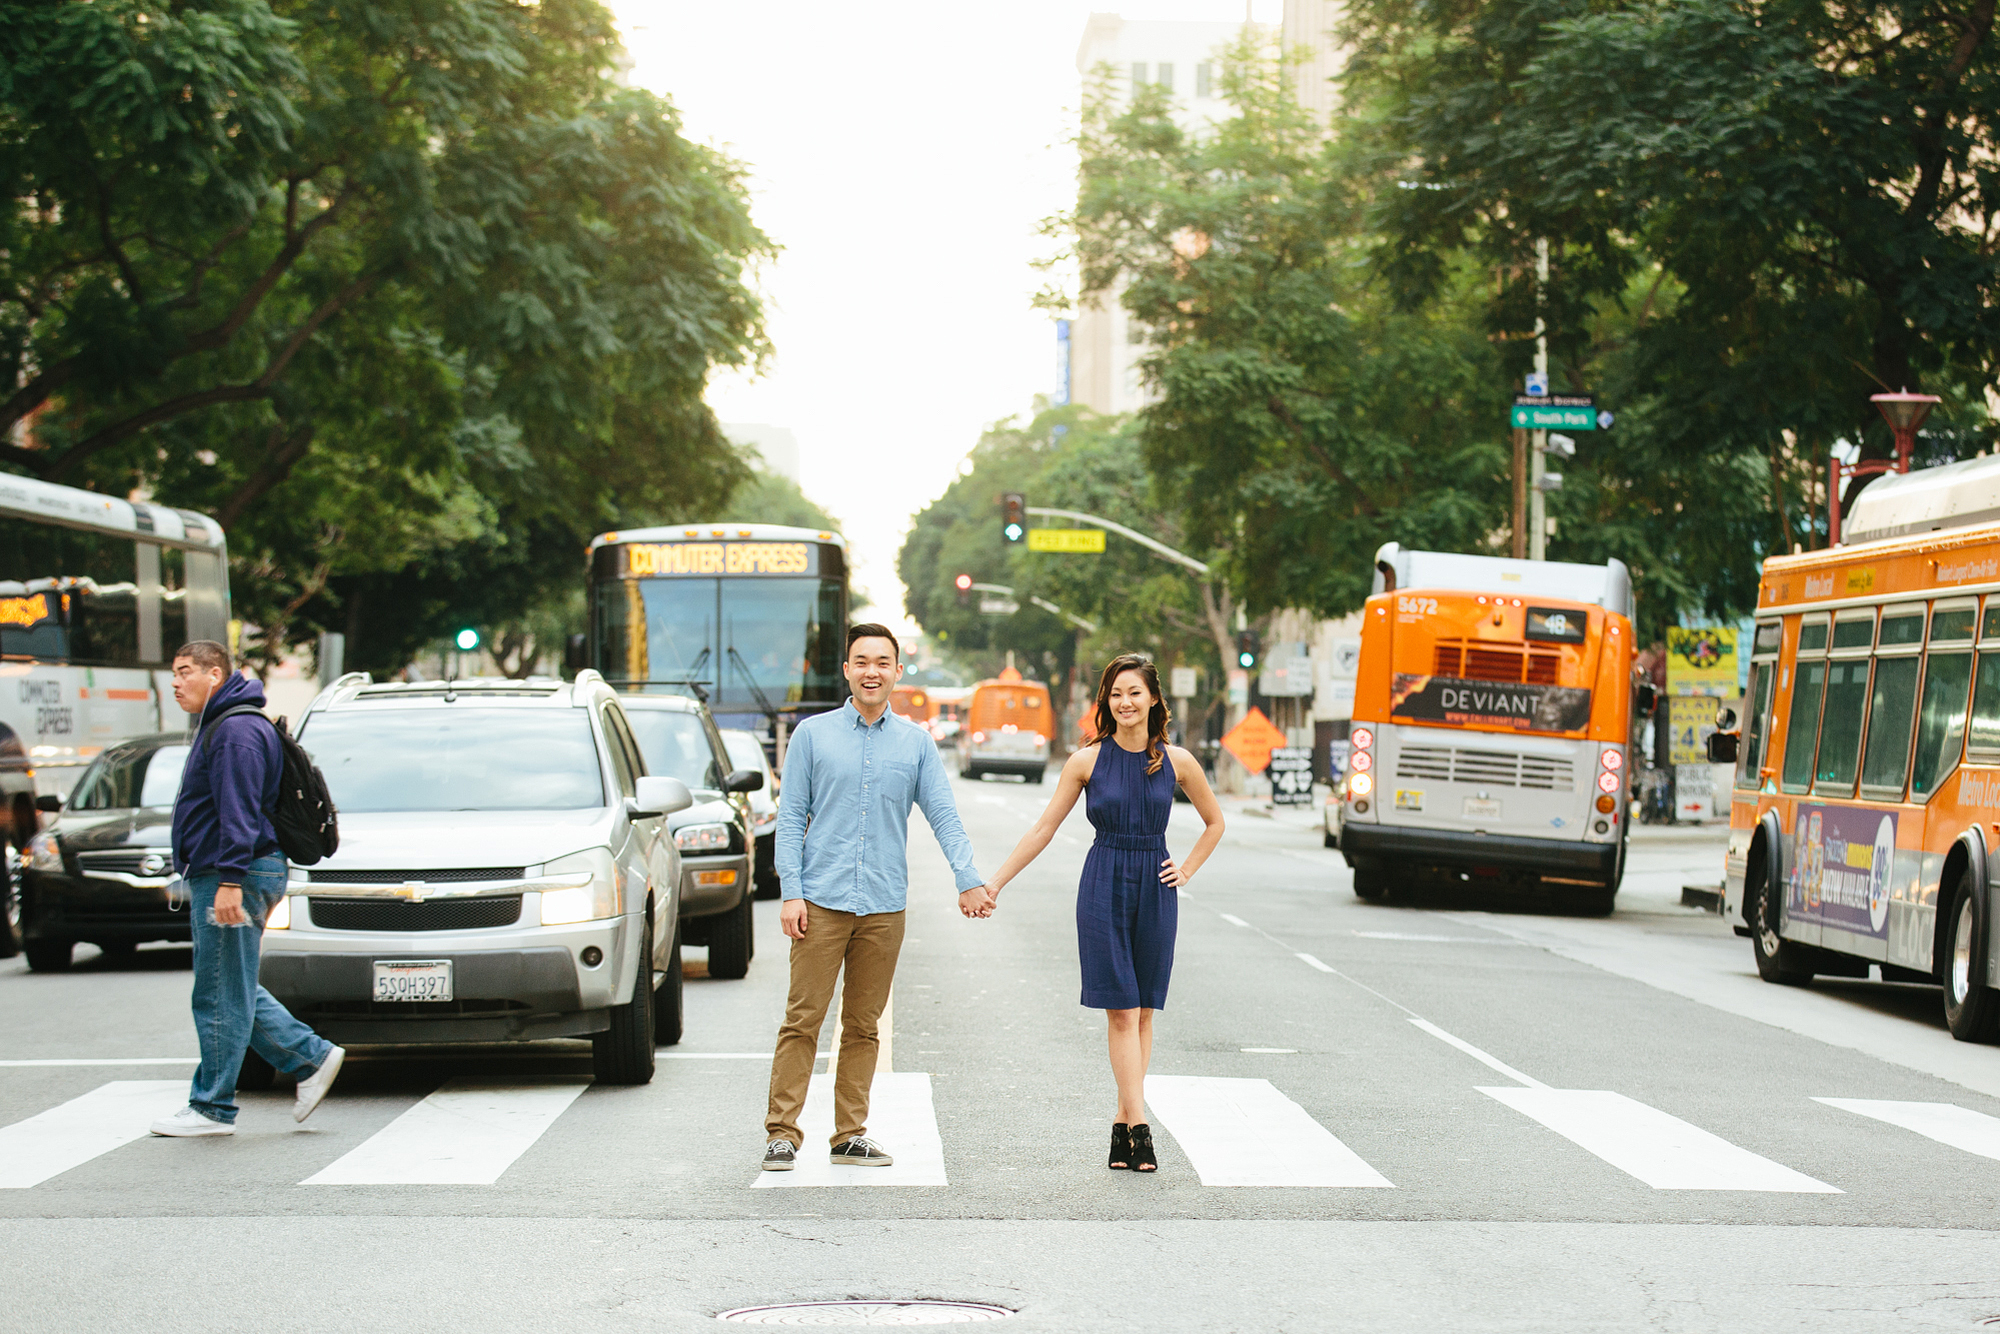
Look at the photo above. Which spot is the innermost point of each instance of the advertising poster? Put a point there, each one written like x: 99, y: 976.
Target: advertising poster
x: 1842, y: 860
x: 1525, y: 708
x: 1291, y: 776
x: 1690, y: 722
x: 1701, y: 662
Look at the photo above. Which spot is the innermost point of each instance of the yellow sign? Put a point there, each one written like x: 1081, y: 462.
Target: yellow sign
x: 1252, y: 741
x: 1690, y: 719
x: 657, y: 558
x: 1089, y: 541
x: 24, y: 612
x: 1701, y: 662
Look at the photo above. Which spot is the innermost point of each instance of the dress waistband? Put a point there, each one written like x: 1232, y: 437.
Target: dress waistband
x: 1131, y: 842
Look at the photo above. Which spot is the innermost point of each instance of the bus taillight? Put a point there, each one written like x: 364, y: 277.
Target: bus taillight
x: 1607, y: 782
x: 1363, y: 738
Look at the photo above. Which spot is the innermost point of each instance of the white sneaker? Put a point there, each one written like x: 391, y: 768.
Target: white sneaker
x: 187, y: 1123
x: 314, y: 1086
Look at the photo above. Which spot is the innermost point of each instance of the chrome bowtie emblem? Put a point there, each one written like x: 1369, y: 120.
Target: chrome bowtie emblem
x: 152, y: 864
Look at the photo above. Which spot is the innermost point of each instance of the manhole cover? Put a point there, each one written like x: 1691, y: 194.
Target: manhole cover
x: 867, y: 1313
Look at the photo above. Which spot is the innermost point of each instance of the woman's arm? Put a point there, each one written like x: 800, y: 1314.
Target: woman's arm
x: 1188, y: 771
x: 1075, y: 771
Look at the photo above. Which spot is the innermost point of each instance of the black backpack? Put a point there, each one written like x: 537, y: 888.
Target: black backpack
x: 307, y: 825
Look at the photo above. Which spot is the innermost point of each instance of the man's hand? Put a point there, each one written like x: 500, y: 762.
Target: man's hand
x: 229, y: 906
x: 792, y: 917
x: 978, y: 901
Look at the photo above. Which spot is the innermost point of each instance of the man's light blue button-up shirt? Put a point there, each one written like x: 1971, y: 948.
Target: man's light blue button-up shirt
x: 844, y: 813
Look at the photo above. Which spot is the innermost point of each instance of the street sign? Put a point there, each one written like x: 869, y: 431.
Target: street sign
x: 1253, y: 740
x: 1292, y: 776
x: 1538, y: 384
x: 998, y: 606
x: 1183, y: 682
x: 1086, y: 541
x: 1557, y: 412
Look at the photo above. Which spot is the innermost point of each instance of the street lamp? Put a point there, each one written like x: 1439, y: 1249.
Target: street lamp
x: 1905, y: 412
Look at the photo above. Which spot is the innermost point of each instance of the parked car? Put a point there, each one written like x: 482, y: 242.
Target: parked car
x: 504, y: 873
x: 678, y: 737
x: 99, y: 873
x: 747, y: 752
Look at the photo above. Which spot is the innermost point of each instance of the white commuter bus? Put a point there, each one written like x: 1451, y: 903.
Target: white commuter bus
x: 95, y: 592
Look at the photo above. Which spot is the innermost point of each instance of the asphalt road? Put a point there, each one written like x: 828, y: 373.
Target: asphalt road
x: 1447, y: 1114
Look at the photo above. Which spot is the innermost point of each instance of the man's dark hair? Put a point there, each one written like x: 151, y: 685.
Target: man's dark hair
x: 870, y: 630
x: 205, y: 653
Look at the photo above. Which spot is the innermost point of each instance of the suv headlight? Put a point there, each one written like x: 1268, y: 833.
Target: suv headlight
x: 702, y: 838
x: 281, y: 915
x: 44, y: 854
x: 583, y: 887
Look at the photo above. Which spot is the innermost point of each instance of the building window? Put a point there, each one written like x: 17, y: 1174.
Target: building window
x: 1138, y: 73
x: 1163, y: 74
x: 1203, y: 73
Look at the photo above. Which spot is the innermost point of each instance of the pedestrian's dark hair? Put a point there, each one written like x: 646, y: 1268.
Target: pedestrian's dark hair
x: 870, y: 630
x: 205, y: 653
x: 1157, y: 717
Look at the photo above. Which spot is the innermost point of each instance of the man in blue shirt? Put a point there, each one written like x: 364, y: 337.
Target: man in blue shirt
x: 843, y: 823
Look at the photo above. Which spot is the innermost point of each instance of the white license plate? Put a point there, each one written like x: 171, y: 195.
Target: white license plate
x: 1482, y: 808
x: 413, y: 979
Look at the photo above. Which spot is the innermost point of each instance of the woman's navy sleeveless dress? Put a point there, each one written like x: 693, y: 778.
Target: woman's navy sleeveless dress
x: 1125, y: 914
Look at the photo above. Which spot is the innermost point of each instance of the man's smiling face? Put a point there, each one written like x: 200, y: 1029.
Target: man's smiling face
x: 872, y: 670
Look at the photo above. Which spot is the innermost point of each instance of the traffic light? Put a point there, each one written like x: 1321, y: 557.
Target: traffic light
x: 1014, y: 517
x: 467, y: 639
x: 964, y: 585
x: 1246, y: 648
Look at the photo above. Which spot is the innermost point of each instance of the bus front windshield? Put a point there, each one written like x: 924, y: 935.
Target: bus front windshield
x: 743, y: 638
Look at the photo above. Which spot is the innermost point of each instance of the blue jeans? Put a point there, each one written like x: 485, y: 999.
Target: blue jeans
x: 232, y: 1013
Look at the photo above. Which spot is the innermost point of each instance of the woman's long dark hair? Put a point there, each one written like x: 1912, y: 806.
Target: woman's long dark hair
x: 1157, y: 717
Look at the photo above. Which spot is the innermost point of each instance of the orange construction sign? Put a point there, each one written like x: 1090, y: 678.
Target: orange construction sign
x: 1253, y: 740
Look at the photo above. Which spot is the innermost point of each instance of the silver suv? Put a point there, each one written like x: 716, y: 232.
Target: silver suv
x: 504, y: 873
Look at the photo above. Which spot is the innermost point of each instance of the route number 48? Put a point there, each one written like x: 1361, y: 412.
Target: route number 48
x: 1417, y: 606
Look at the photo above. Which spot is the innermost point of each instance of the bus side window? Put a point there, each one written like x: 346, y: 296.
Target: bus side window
x: 1840, y: 726
x: 1802, y: 725
x: 1893, y: 702
x: 1749, y: 773
x: 1986, y: 709
x: 1941, y: 721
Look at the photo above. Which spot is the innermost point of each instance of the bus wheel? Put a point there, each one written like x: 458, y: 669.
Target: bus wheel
x: 1971, y: 1008
x: 1370, y: 880
x: 1778, y: 960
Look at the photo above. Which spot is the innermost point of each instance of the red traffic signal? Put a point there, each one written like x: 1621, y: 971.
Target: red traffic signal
x: 964, y: 582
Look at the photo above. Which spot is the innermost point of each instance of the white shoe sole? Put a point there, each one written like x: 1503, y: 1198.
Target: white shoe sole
x: 779, y: 1167
x: 313, y: 1091
x: 178, y: 1131
x: 842, y: 1160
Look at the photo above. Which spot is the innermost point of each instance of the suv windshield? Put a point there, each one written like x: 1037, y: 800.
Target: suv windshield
x: 127, y: 778
x: 456, y: 758
x: 675, y: 746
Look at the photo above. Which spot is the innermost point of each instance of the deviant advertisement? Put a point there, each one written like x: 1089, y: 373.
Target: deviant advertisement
x: 1525, y: 708
x: 1842, y: 861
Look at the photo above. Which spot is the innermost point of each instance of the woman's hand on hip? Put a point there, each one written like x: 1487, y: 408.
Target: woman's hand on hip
x: 1172, y: 874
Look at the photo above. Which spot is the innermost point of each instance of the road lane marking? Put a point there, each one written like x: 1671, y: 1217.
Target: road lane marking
x: 901, y: 1118
x: 1244, y: 1132
x: 1233, y: 919
x: 1663, y: 1151
x: 1484, y: 1058
x: 1324, y: 968
x: 1947, y: 1123
x: 1450, y: 940
x: 128, y: 1060
x: 106, y: 1118
x: 467, y: 1133
x: 1270, y: 1051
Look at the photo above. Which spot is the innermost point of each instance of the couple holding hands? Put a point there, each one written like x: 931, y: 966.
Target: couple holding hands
x: 851, y: 777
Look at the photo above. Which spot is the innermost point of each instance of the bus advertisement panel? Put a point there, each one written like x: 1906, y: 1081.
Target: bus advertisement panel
x: 752, y: 617
x: 1491, y: 719
x: 1866, y: 802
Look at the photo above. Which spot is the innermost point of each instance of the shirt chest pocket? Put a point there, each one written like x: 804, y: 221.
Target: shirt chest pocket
x: 899, y: 780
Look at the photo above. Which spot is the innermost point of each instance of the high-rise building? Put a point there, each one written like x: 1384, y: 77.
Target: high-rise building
x: 1308, y: 27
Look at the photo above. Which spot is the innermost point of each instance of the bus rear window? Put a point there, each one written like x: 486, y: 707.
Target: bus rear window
x: 1557, y: 625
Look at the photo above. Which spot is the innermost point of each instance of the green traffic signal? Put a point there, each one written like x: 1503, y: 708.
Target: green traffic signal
x: 467, y: 640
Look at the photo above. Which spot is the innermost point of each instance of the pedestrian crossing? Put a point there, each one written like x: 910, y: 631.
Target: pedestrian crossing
x: 1235, y: 1132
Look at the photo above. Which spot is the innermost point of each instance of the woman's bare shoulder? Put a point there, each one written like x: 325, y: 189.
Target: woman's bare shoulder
x: 1082, y: 760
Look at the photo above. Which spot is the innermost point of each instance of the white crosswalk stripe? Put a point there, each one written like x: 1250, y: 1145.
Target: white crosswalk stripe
x: 1663, y: 1151
x: 106, y: 1118
x: 1244, y: 1132
x: 1947, y: 1123
x: 901, y: 1118
x: 465, y: 1134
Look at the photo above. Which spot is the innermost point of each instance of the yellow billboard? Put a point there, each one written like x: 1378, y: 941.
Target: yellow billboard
x: 1701, y: 662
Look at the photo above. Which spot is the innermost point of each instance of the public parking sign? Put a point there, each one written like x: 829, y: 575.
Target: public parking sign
x: 1291, y: 776
x: 1555, y: 412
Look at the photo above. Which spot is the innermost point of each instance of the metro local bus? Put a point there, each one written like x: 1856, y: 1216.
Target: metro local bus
x: 1492, y: 716
x: 753, y: 617
x: 1866, y: 808
x: 95, y: 593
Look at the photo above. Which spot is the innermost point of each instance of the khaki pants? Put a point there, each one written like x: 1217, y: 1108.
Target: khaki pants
x: 867, y: 947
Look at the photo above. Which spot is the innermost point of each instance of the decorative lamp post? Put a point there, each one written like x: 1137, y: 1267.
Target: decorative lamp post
x: 1905, y: 413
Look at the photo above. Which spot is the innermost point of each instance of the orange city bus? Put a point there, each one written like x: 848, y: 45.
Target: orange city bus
x: 1867, y: 796
x: 1492, y: 716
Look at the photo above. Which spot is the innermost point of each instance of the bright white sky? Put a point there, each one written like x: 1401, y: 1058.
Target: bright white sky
x: 903, y: 154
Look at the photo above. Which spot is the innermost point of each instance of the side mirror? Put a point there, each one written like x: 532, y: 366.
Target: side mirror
x: 1725, y: 720
x: 1722, y: 747
x: 744, y: 780
x: 576, y: 653
x: 49, y: 802
x: 659, y: 796
x: 1645, y: 699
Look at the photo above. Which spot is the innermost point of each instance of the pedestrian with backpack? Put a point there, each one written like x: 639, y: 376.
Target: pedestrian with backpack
x: 228, y: 851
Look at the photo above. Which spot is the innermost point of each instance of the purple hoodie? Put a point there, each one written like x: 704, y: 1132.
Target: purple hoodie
x: 222, y: 818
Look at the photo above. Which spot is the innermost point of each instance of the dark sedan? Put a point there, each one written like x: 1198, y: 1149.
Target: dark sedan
x: 100, y: 871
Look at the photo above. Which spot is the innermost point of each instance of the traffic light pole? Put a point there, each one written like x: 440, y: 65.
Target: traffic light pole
x: 1161, y: 548
x: 1538, y: 499
x: 1088, y: 627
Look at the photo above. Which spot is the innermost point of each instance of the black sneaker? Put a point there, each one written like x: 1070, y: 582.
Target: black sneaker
x: 859, y: 1152
x: 779, y: 1156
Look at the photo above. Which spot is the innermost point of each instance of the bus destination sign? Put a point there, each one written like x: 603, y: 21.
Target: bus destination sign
x: 645, y: 560
x: 1523, y: 707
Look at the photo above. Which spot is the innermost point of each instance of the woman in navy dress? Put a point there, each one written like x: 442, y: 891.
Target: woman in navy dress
x: 1128, y: 904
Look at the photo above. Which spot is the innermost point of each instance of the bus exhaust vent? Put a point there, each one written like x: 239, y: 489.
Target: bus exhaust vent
x: 1489, y: 768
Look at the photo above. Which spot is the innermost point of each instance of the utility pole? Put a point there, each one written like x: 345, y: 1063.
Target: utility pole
x: 1538, y: 504
x: 1520, y: 539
